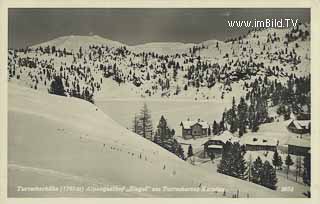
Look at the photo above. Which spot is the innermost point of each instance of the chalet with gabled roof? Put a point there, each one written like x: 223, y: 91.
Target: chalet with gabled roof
x: 194, y: 129
x: 215, y: 144
x: 300, y: 126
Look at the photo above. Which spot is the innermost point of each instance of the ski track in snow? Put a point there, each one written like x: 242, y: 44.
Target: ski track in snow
x: 51, y: 172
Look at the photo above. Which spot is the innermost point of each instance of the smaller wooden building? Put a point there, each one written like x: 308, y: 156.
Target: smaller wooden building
x: 300, y: 126
x: 260, y: 143
x: 298, y: 146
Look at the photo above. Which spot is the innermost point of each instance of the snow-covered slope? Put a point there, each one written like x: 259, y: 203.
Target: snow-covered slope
x: 205, y: 71
x: 64, y: 141
x: 164, y: 48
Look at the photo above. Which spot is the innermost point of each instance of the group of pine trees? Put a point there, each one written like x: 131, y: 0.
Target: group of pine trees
x: 263, y: 173
x: 252, y: 111
x: 57, y: 88
x: 164, y: 136
x: 232, y: 162
x: 243, y: 117
x: 290, y: 96
x: 293, y: 97
x: 278, y: 163
x: 297, y: 33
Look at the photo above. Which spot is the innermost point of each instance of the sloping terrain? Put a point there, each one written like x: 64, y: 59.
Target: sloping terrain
x: 62, y: 141
x: 205, y: 71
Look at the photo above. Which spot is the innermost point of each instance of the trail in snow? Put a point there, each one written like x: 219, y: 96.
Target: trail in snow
x: 51, y: 172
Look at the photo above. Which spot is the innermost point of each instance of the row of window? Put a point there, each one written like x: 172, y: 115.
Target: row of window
x: 195, y: 132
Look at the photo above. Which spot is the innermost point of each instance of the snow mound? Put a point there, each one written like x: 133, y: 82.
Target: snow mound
x: 63, y: 141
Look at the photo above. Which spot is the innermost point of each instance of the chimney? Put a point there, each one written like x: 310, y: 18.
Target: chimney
x: 198, y: 120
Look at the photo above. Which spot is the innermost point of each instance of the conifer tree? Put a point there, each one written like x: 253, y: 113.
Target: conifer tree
x: 215, y: 128
x: 136, y: 127
x: 280, y: 162
x: 180, y: 152
x: 222, y: 123
x: 256, y: 170
x: 232, y: 117
x: 164, y: 138
x: 255, y: 123
x: 269, y: 176
x: 239, y: 163
x: 288, y: 163
x: 224, y: 165
x: 190, y: 151
x: 251, y: 116
x: 56, y: 86
x: 277, y: 161
x: 242, y: 113
x: 146, y: 122
x: 163, y: 131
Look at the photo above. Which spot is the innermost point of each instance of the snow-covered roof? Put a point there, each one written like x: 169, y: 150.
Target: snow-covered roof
x: 215, y: 146
x: 304, y: 123
x: 301, y: 124
x: 188, y: 124
x: 299, y: 142
x: 225, y: 136
x: 259, y: 141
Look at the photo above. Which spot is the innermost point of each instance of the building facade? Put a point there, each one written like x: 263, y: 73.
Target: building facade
x: 260, y: 144
x: 299, y: 146
x: 194, y: 129
x: 298, y: 150
x: 214, y: 145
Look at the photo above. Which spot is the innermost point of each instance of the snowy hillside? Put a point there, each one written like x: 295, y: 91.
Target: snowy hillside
x: 63, y: 141
x: 205, y: 71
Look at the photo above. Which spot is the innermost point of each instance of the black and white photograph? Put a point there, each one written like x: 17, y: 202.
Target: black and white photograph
x: 159, y: 103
